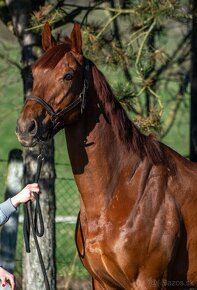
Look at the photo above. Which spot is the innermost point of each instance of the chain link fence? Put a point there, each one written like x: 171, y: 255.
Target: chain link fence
x: 67, y: 208
x: 70, y: 272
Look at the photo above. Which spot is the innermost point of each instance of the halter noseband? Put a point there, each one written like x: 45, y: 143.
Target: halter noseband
x: 80, y: 100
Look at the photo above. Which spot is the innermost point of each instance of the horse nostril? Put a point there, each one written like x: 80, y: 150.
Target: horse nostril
x: 33, y: 127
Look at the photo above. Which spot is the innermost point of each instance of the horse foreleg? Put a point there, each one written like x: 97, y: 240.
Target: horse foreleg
x: 96, y: 285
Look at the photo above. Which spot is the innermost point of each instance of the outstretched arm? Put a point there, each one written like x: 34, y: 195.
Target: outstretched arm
x: 9, y: 206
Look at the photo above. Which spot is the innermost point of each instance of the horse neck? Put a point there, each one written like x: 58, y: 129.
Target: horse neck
x: 95, y: 153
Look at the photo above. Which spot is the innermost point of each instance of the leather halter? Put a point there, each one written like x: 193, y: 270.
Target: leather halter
x: 55, y: 116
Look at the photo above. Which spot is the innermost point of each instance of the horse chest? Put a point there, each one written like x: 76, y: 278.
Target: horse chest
x: 98, y: 254
x: 116, y: 254
x: 101, y: 261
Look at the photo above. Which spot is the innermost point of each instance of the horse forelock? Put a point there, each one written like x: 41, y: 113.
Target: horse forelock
x: 125, y: 130
x: 52, y: 56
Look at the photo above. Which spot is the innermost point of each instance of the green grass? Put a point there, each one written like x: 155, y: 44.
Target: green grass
x: 11, y: 98
x: 69, y: 261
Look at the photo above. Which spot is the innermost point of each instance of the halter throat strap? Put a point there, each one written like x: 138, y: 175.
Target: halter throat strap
x: 80, y: 100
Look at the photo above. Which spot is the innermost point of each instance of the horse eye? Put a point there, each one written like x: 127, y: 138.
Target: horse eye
x: 68, y: 77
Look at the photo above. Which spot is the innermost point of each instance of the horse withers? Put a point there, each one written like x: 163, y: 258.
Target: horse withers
x: 137, y: 227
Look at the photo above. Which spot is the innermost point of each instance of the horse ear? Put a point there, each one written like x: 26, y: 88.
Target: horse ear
x: 76, y: 39
x: 48, y: 40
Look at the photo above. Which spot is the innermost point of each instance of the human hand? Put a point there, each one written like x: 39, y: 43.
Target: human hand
x: 5, y: 276
x: 26, y: 194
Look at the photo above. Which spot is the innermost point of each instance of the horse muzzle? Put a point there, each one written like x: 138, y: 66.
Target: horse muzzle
x: 28, y: 132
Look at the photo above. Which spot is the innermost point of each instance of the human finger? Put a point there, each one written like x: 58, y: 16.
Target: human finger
x: 34, y: 184
x: 32, y: 196
x: 3, y: 282
x: 12, y: 282
x: 34, y: 187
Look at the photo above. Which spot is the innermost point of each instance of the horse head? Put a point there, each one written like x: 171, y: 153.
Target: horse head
x: 60, y: 80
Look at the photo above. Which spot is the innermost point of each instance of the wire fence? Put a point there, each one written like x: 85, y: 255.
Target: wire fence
x: 70, y: 272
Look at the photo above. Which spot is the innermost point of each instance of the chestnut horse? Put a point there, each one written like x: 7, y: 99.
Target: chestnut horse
x: 137, y: 227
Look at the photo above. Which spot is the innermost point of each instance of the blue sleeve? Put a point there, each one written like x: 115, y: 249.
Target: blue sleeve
x: 6, y: 209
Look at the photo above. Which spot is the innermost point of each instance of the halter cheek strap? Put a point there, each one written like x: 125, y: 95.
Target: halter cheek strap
x: 55, y: 116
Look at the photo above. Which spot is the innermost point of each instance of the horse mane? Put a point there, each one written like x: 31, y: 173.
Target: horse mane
x: 125, y: 130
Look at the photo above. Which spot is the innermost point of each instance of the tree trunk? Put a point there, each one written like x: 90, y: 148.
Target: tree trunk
x: 193, y: 110
x: 20, y: 11
x: 32, y: 274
